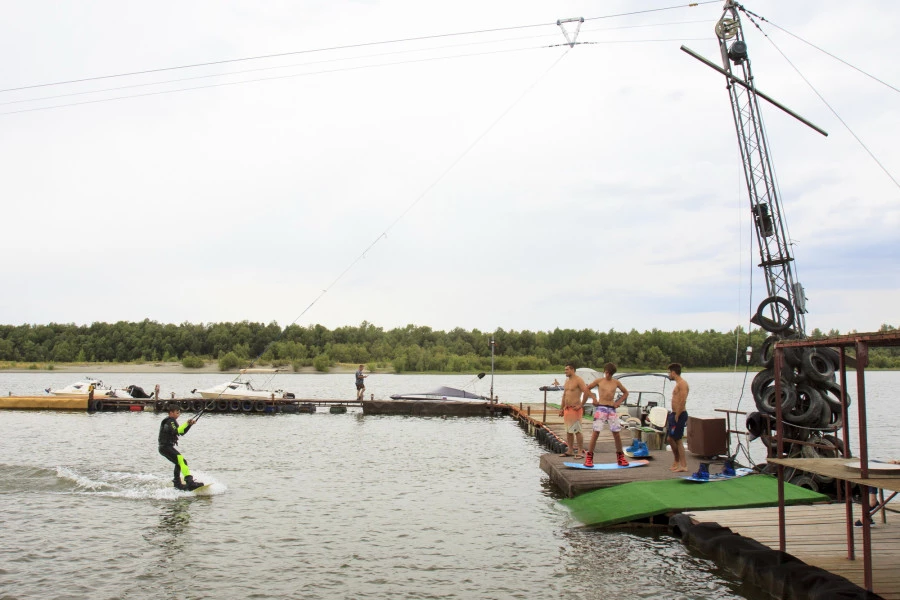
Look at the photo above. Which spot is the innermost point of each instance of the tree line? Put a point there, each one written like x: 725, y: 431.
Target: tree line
x: 405, y: 349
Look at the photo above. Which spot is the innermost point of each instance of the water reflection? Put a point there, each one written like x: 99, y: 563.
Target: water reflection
x: 168, y: 535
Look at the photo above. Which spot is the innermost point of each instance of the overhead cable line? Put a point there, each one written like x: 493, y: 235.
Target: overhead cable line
x: 342, y: 47
x: 650, y: 10
x: 273, y: 78
x: 825, y: 102
x: 332, y: 60
x: 837, y: 58
x: 278, y: 77
x: 383, y: 235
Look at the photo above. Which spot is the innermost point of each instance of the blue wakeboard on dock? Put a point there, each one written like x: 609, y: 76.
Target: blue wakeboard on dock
x: 607, y: 466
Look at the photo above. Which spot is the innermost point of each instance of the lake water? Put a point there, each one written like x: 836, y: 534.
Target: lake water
x: 325, y: 506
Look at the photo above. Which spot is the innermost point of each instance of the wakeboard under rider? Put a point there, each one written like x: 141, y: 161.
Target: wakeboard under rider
x: 169, y: 430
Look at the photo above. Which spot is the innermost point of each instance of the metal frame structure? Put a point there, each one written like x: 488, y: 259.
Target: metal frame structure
x: 860, y: 342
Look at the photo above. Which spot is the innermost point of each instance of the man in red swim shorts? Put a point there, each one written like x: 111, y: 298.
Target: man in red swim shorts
x: 575, y: 395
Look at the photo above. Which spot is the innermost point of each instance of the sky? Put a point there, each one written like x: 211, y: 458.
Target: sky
x: 439, y: 164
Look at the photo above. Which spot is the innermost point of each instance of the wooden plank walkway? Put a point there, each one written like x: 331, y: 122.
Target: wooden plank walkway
x: 817, y: 535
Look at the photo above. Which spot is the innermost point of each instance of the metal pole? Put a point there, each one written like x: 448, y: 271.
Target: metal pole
x: 755, y: 90
x: 545, y: 407
x: 862, y: 361
x: 492, y: 368
x: 779, y: 432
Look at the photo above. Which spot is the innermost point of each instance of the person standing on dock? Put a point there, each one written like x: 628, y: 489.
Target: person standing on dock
x: 572, y: 410
x: 677, y: 419
x: 360, y: 383
x: 169, y: 430
x: 605, y: 412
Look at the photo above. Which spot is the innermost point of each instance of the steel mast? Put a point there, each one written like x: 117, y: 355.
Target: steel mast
x: 782, y: 312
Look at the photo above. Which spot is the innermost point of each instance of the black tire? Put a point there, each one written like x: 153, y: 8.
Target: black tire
x: 756, y: 424
x: 767, y: 352
x: 761, y: 380
x: 812, y: 452
x: 185, y: 405
x: 835, y: 421
x: 807, y: 408
x: 766, y: 401
x: 827, y: 416
x: 222, y: 405
x: 234, y: 405
x: 784, y: 309
x: 792, y: 451
x: 246, y: 406
x: 831, y: 392
x: 816, y: 366
x: 793, y: 357
x: 796, y: 433
x: 770, y: 438
x: 259, y: 406
x: 804, y: 480
x: 833, y: 355
x: 836, y: 442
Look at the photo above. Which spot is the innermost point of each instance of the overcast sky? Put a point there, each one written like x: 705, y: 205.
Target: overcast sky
x: 497, y: 179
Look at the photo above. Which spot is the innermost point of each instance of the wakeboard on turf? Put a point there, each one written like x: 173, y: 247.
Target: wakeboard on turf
x: 607, y: 466
x: 718, y: 476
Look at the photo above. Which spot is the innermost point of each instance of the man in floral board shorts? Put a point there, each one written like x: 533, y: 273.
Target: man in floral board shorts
x: 605, y: 406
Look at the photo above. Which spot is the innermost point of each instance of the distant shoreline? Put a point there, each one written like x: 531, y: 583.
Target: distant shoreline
x: 142, y: 368
x: 212, y: 367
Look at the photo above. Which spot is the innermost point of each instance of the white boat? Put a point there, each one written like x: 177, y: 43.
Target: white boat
x: 242, y: 387
x: 82, y: 388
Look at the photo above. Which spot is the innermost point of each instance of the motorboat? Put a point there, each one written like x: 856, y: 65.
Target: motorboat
x: 442, y: 394
x: 646, y: 391
x: 242, y: 387
x: 82, y: 388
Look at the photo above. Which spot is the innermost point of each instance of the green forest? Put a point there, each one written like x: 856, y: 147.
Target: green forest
x: 408, y: 349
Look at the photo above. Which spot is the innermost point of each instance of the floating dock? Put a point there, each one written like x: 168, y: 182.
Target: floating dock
x: 434, y: 408
x: 78, y: 403
x: 817, y: 535
x: 821, y: 568
x: 242, y: 406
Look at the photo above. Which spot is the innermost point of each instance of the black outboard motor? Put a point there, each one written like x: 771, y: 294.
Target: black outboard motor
x: 137, y: 392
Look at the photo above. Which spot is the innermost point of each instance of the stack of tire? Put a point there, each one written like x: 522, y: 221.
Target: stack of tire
x: 810, y: 401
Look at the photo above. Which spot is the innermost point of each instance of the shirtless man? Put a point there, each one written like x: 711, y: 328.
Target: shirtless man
x: 677, y: 419
x: 575, y: 395
x: 605, y: 412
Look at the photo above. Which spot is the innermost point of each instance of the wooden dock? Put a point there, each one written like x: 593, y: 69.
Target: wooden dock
x: 77, y: 403
x: 578, y: 481
x: 817, y: 535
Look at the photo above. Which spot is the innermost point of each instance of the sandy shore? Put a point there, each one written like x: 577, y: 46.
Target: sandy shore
x: 160, y: 367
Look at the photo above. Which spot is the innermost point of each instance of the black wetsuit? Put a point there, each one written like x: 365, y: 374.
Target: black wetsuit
x: 169, y: 430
